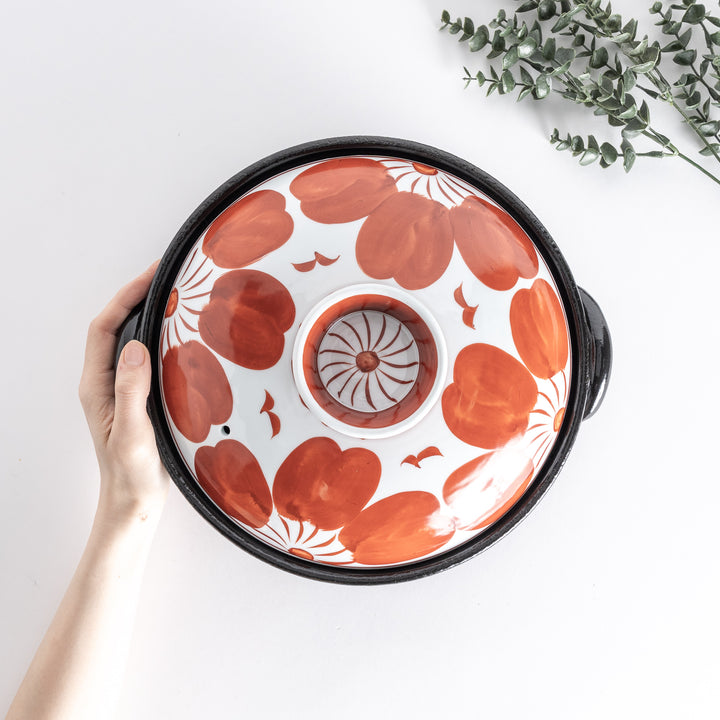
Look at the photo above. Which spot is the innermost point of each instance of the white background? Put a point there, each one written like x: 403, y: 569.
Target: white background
x: 117, y: 121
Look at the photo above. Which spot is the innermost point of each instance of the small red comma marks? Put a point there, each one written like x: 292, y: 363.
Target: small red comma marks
x: 492, y: 244
x: 232, y: 477
x: 342, y: 190
x: 408, y: 238
x: 324, y: 485
x: 197, y: 392
x: 484, y: 489
x: 539, y: 330
x: 491, y: 397
x: 248, y: 230
x: 468, y: 311
x: 245, y: 321
x: 397, y: 529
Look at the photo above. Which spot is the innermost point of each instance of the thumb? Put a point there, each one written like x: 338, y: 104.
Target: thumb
x: 132, y: 386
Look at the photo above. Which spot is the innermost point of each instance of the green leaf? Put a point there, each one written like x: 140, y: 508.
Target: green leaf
x: 715, y: 38
x: 445, y: 17
x: 508, y: 81
x: 527, y: 6
x: 511, y: 57
x: 455, y: 28
x: 694, y: 14
x: 628, y: 155
x: 542, y: 86
x: 685, y: 37
x: 609, y: 153
x: 673, y: 46
x: 656, y: 8
x: 524, y: 93
x: 468, y: 27
x: 526, y: 77
x: 629, y: 79
x: 686, y: 57
x: 644, y: 112
x: 480, y: 39
x: 708, y: 129
x: 577, y: 145
x: 715, y: 21
x: 589, y: 157
x: 709, y: 150
x: 693, y: 100
x: 599, y: 58
x: 546, y: 9
x: 630, y: 111
x: 564, y: 55
x: 526, y: 48
x: 633, y: 128
x: 643, y: 68
x: 565, y: 19
x: 548, y: 50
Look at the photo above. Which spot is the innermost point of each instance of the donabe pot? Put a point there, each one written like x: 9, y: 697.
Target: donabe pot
x: 370, y: 359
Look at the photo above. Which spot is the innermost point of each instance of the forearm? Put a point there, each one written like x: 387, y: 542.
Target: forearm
x: 78, y: 669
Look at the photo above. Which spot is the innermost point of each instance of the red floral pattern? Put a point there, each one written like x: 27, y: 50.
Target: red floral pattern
x: 484, y: 489
x: 398, y: 528
x: 538, y: 329
x: 491, y: 397
x: 248, y: 230
x: 321, y: 484
x: 320, y: 507
x: 245, y: 321
x: 232, y: 477
x: 342, y: 190
x: 197, y: 392
x: 409, y: 238
x: 492, y: 244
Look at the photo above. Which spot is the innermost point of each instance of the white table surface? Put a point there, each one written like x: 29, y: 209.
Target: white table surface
x: 116, y: 122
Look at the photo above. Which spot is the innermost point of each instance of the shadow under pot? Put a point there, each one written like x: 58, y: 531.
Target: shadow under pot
x: 370, y: 359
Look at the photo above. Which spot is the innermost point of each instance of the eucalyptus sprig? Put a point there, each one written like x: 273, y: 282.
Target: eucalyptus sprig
x: 589, y: 55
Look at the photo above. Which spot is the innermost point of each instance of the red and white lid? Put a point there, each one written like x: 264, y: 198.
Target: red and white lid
x: 364, y: 362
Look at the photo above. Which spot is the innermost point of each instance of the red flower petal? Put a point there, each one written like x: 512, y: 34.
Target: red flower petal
x: 342, y: 190
x: 398, y: 528
x: 491, y: 397
x: 245, y: 321
x: 197, y: 392
x: 492, y: 244
x: 321, y: 484
x: 483, y: 490
x: 231, y: 476
x: 248, y: 230
x: 409, y: 238
x: 538, y: 329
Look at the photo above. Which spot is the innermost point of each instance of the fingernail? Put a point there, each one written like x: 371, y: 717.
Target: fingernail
x: 133, y: 354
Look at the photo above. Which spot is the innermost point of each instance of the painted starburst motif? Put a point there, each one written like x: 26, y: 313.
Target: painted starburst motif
x: 547, y: 417
x: 188, y: 298
x: 429, y: 181
x: 368, y: 361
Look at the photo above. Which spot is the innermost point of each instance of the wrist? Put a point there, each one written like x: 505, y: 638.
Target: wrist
x: 122, y: 513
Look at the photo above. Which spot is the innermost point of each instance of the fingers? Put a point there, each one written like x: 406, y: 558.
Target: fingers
x: 99, y: 372
x: 132, y: 386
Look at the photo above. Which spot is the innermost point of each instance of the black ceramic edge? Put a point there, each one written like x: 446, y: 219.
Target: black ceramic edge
x: 128, y: 329
x: 241, y: 183
x: 600, y: 354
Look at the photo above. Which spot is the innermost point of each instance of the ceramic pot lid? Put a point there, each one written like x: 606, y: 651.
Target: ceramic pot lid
x: 364, y: 361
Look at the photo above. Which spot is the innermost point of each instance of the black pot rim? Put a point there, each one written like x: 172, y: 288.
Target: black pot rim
x: 150, y: 322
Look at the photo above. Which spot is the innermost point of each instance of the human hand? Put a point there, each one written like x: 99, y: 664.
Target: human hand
x: 133, y: 480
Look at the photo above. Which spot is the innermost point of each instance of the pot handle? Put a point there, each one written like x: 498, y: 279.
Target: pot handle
x: 128, y: 330
x: 600, y: 353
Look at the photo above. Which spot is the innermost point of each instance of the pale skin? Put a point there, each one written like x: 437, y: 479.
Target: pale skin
x: 78, y: 668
